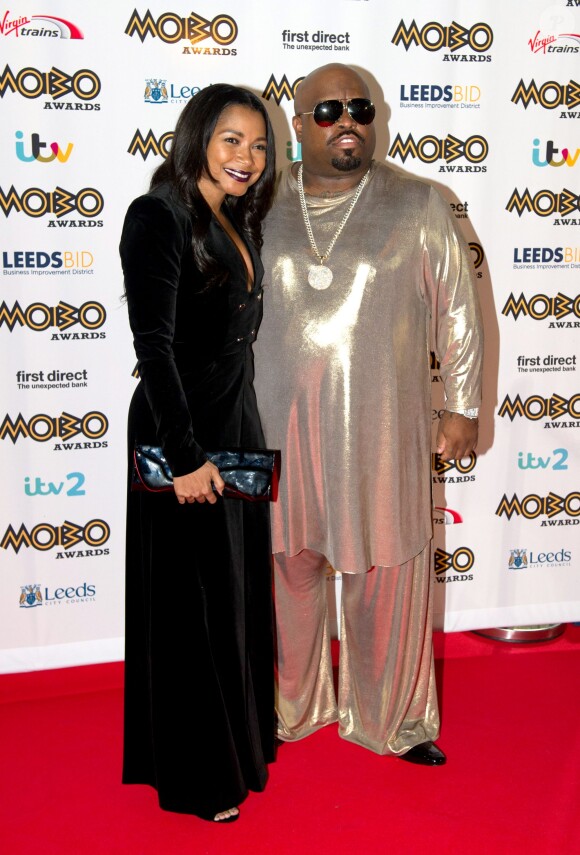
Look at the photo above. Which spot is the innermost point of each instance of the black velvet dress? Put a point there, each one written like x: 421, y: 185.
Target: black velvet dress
x: 199, y: 693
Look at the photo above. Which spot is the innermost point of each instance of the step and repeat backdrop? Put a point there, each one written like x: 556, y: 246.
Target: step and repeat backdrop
x: 480, y: 98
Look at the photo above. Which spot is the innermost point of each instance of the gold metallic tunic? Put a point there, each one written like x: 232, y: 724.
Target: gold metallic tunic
x: 342, y: 374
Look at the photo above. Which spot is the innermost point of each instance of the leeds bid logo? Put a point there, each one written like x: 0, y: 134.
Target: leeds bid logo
x: 533, y: 506
x: 541, y: 306
x: 434, y: 36
x: 172, y: 28
x: 460, y: 562
x: 45, y: 536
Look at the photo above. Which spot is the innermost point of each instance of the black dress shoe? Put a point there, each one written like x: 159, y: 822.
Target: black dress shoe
x: 425, y: 754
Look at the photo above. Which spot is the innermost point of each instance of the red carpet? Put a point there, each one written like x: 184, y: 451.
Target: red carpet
x: 511, y: 785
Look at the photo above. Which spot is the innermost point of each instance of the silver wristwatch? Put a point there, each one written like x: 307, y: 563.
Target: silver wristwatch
x: 469, y: 413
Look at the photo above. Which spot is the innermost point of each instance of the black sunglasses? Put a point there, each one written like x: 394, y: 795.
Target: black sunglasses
x: 327, y: 113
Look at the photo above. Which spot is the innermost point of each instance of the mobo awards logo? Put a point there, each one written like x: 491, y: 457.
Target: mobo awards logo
x: 533, y: 506
x: 150, y: 144
x: 540, y: 307
x: 430, y: 149
x: 45, y: 536
x: 461, y: 469
x: 478, y: 257
x: 31, y: 83
x: 537, y: 407
x: 545, y: 203
x: 43, y: 428
x: 171, y: 28
x: 550, y: 95
x: 40, y: 317
x: 36, y: 203
x: 284, y: 89
x: 460, y: 562
x: 434, y: 36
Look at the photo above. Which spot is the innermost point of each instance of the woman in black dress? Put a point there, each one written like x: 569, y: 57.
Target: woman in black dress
x: 199, y: 695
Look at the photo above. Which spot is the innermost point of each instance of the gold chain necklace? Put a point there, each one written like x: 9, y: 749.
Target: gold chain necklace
x: 320, y: 276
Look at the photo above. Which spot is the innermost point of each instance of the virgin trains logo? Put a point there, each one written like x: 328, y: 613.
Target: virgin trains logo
x: 434, y: 36
x: 42, y: 26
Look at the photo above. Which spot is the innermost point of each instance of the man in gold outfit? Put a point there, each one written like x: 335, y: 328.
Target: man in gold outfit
x: 366, y: 272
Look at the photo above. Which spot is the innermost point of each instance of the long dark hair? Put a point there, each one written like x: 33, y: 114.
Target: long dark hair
x: 187, y: 163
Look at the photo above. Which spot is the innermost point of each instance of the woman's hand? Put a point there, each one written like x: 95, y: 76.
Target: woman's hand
x: 198, y: 486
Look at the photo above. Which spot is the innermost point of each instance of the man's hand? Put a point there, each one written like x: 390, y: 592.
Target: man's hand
x: 457, y: 436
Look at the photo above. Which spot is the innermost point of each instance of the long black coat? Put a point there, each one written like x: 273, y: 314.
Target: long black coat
x: 199, y: 697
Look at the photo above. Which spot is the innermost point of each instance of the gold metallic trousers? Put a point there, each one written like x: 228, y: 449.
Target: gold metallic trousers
x: 387, y: 699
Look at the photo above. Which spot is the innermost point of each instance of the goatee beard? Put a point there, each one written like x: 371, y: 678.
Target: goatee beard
x: 347, y: 163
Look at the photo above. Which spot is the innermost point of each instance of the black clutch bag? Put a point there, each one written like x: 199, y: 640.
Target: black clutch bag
x: 250, y: 474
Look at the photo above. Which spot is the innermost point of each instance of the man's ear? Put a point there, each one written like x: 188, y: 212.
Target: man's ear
x: 297, y: 125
